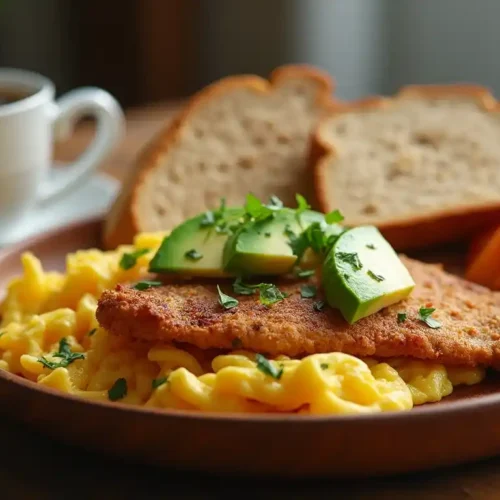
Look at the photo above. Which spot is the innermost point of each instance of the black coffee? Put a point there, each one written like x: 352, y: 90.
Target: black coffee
x: 8, y: 96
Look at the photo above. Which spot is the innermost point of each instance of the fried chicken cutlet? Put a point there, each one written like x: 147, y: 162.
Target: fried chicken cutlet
x: 190, y: 313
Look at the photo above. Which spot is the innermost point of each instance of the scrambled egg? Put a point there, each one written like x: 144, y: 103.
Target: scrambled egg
x: 49, y: 334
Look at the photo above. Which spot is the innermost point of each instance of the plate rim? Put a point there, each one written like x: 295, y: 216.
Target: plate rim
x: 431, y: 410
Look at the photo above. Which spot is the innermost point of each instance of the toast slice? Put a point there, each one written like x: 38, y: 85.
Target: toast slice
x: 423, y: 166
x: 240, y: 134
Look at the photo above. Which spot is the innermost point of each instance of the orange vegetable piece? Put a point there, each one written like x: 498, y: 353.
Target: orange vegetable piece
x: 483, y: 262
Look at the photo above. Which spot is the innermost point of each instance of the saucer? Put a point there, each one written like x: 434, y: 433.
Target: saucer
x: 92, y: 198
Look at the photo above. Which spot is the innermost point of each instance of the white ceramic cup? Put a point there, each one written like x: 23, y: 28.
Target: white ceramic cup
x: 27, y: 130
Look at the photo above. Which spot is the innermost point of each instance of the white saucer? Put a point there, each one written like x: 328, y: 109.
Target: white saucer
x: 93, y: 197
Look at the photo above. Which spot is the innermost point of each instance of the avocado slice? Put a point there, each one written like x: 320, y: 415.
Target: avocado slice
x: 263, y: 248
x: 176, y: 255
x: 363, y: 274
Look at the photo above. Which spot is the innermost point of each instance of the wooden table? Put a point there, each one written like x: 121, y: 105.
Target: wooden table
x: 35, y: 467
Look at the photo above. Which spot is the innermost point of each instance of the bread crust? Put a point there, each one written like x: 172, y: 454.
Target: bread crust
x: 122, y: 223
x: 408, y: 233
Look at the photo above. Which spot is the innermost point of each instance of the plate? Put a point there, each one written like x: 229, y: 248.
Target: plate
x: 464, y: 427
x: 90, y: 198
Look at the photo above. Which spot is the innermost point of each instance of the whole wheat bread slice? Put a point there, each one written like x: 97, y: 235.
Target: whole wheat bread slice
x: 424, y: 166
x: 240, y: 134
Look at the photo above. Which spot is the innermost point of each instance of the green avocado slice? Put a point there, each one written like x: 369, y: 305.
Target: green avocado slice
x: 363, y: 274
x: 263, y: 247
x: 193, y: 250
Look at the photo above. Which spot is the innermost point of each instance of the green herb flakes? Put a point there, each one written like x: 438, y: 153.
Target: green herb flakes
x: 402, y: 317
x: 64, y: 353
x: 319, y: 305
x: 308, y: 291
x: 304, y: 273
x: 350, y: 258
x: 424, y: 314
x: 119, y: 390
x: 324, y: 366
x: 267, y: 235
x: 92, y: 332
x: 193, y: 254
x: 376, y: 277
x: 275, y: 202
x: 371, y: 246
x: 158, y: 381
x: 226, y: 301
x: 256, y: 210
x: 144, y: 285
x: 302, y: 204
x: 208, y: 219
x: 270, y: 294
x: 334, y: 217
x: 241, y: 289
x: 129, y: 260
x: 266, y: 367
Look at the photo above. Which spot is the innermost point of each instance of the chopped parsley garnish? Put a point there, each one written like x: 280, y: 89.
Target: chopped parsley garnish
x: 144, y: 285
x: 316, y: 236
x: 304, y: 273
x: 226, y: 301
x: 266, y: 367
x: 302, y: 204
x: 241, y: 289
x: 119, y: 390
x: 158, y: 381
x: 334, y: 217
x: 267, y: 235
x: 208, y: 219
x: 129, y: 260
x: 92, y: 332
x: 350, y: 258
x: 2, y: 334
x: 193, y: 254
x: 64, y: 353
x: 424, y: 314
x: 270, y: 294
x: 324, y: 366
x: 371, y: 246
x: 275, y: 202
x: 376, y: 277
x: 308, y: 291
x: 402, y: 317
x: 319, y: 305
x: 237, y: 343
x: 256, y: 210
x: 216, y: 218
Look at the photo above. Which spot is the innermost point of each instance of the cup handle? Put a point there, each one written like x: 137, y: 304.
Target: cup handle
x: 85, y: 101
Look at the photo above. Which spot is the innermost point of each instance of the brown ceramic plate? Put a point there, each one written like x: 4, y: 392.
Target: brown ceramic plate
x: 465, y: 427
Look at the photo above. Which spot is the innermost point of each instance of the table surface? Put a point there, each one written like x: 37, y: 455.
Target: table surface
x: 34, y: 466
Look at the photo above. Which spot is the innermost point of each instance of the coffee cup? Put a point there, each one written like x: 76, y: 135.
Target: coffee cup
x: 31, y: 119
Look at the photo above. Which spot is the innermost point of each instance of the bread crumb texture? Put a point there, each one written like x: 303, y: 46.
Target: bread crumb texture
x: 412, y: 156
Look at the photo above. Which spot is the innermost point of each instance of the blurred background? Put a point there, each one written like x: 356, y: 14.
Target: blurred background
x: 145, y: 51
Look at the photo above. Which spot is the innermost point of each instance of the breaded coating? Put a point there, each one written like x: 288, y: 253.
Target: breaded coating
x: 190, y: 313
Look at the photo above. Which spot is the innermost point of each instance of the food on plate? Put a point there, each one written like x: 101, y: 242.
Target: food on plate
x: 421, y: 166
x: 109, y: 329
x: 362, y: 274
x: 445, y: 319
x: 240, y: 133
x: 483, y: 265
